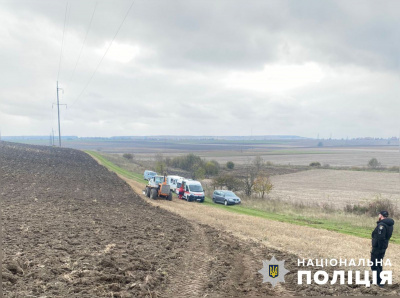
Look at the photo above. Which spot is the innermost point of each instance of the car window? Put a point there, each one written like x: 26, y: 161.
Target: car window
x: 230, y: 194
x: 196, y: 187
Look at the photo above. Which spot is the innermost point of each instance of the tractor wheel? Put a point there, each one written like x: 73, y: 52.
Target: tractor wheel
x: 169, y: 198
x: 147, y: 192
x: 153, y: 193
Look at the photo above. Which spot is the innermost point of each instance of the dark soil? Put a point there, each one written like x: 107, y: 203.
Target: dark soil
x: 74, y: 229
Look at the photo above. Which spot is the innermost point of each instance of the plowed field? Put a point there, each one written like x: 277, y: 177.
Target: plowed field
x: 71, y: 228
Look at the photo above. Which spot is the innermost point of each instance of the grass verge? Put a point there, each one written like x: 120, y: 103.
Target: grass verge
x: 301, y: 220
x: 112, y: 167
x: 318, y: 223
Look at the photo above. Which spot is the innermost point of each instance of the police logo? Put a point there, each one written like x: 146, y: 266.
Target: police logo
x: 273, y: 271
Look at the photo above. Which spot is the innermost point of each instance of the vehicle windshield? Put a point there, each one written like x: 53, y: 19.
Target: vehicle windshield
x: 195, y: 187
x: 159, y: 179
x: 229, y: 194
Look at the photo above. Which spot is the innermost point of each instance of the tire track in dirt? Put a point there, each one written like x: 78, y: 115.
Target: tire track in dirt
x: 192, y: 277
x: 207, y: 270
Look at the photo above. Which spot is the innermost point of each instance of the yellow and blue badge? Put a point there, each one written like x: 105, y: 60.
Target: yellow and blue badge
x: 274, y: 271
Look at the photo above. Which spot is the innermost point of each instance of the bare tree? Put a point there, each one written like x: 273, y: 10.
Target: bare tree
x: 249, y: 178
x: 160, y: 165
x: 262, y: 185
x: 258, y: 163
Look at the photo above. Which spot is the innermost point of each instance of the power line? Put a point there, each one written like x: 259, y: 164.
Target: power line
x: 84, y: 40
x: 62, y: 41
x: 105, y: 53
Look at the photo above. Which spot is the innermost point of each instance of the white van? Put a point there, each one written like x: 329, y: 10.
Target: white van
x: 149, y: 174
x: 173, y: 181
x: 178, y: 184
x: 193, y: 191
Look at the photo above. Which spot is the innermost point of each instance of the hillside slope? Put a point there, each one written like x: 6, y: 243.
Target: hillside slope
x: 74, y: 229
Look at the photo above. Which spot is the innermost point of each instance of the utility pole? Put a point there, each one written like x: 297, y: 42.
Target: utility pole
x: 58, y: 109
x: 52, y: 138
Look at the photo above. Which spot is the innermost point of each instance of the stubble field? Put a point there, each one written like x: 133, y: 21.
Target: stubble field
x: 336, y: 187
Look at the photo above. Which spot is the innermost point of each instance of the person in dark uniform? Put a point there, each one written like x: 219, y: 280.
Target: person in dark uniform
x: 380, y: 240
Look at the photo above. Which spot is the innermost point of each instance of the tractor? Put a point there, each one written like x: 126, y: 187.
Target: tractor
x: 158, y: 187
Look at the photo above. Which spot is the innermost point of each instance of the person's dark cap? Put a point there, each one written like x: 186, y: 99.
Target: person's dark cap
x: 384, y: 213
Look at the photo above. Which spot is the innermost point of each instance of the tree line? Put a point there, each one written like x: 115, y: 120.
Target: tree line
x: 198, y: 167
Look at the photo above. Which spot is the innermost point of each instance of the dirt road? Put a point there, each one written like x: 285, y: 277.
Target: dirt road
x: 74, y: 229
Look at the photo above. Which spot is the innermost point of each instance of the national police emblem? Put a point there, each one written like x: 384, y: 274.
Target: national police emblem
x: 273, y: 271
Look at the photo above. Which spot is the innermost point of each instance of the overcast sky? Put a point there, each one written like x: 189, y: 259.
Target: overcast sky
x: 201, y: 68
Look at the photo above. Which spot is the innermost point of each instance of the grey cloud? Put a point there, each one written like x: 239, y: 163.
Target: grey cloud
x: 190, y: 47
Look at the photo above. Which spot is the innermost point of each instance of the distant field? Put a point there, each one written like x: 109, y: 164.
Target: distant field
x: 281, y: 151
x: 335, y: 187
x: 354, y: 156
